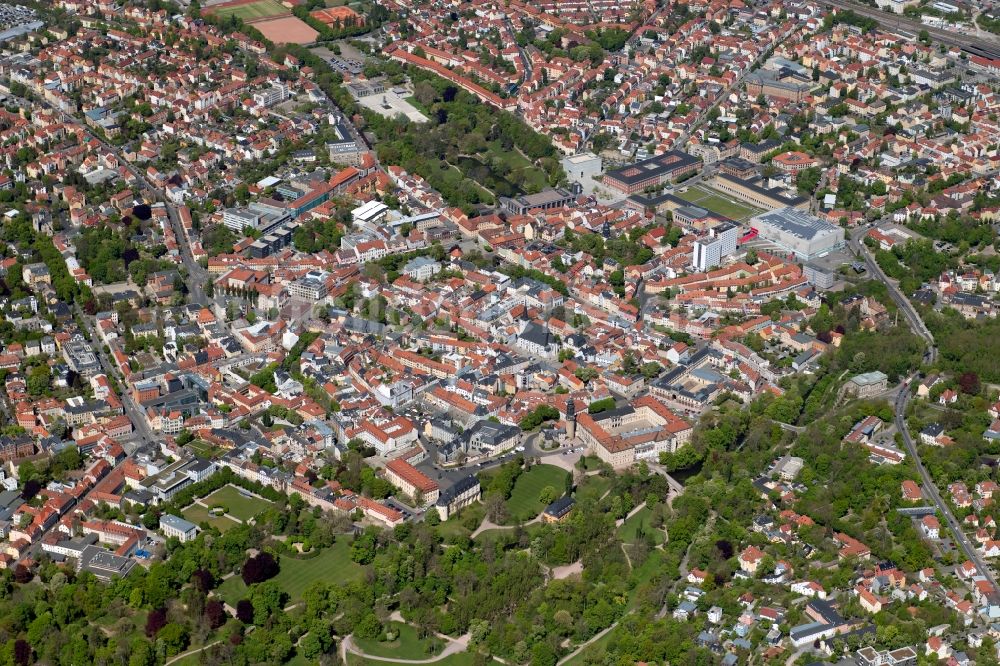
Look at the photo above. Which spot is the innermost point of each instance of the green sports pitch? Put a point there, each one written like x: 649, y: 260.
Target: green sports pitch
x: 252, y: 11
x: 719, y: 203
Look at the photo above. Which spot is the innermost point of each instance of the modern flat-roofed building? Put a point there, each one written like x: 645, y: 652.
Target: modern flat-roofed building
x: 104, y: 564
x: 544, y: 200
x: 798, y: 232
x: 258, y: 217
x: 653, y: 172
x: 710, y: 250
x: 174, y: 526
x: 868, y: 384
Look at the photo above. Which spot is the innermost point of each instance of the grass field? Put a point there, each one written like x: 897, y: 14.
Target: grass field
x: 534, y: 178
x: 719, y: 203
x: 203, y: 449
x: 198, y: 514
x: 639, y: 522
x: 459, y: 525
x: 333, y: 565
x: 240, y: 506
x: 251, y: 11
x: 524, y: 503
x: 406, y: 646
x: 592, y: 488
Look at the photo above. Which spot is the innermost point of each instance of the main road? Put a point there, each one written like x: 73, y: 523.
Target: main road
x: 902, y: 400
x: 931, y: 491
x: 902, y: 302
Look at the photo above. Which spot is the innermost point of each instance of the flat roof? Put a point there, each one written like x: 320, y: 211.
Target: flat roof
x: 658, y: 166
x: 797, y: 223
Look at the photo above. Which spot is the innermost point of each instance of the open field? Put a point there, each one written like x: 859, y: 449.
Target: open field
x: 333, y: 565
x: 286, y: 30
x: 240, y: 506
x: 719, y: 203
x: 524, y: 503
x: 249, y: 11
x: 406, y: 646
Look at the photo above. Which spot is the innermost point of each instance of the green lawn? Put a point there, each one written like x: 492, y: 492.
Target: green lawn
x: 198, y: 514
x: 533, y: 176
x: 252, y: 11
x: 463, y: 523
x: 333, y: 565
x: 593, y: 487
x: 240, y: 506
x: 524, y: 503
x: 718, y: 202
x: 203, y: 449
x: 596, y: 648
x: 639, y: 522
x: 406, y: 646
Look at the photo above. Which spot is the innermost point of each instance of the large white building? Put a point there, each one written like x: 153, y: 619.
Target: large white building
x: 710, y: 250
x: 798, y: 232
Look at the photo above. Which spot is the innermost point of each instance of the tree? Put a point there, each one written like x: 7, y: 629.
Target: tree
x: 548, y: 495
x: 155, y: 622
x: 969, y: 383
x: 22, y: 653
x: 368, y: 627
x: 542, y: 654
x: 215, y: 613
x: 244, y: 611
x: 260, y: 568
x: 173, y: 637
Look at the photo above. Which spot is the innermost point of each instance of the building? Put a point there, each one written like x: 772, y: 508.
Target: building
x: 174, y: 526
x: 710, y: 250
x: 104, y: 564
x: 643, y: 430
x: 421, y: 268
x: 868, y: 384
x: 371, y: 212
x: 651, y: 173
x: 739, y: 167
x: 756, y: 193
x: 460, y: 495
x: 781, y: 84
x: 558, y: 510
x: 582, y: 167
x: 414, y: 483
x: 490, y: 437
x: 796, y: 231
x: 869, y: 656
x: 544, y: 200
x: 819, y: 276
x: 257, y: 217
x: 310, y: 287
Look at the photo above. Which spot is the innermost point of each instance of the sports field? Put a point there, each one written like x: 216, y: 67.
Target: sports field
x: 248, y: 11
x: 719, y: 203
x: 524, y: 503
